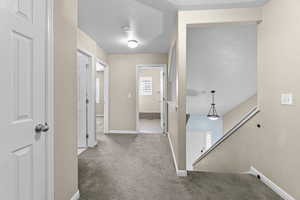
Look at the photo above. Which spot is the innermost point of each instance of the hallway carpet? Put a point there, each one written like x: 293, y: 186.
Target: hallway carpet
x: 140, y: 167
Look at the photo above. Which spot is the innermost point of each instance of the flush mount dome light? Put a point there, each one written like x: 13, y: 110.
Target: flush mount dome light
x: 133, y: 44
x: 212, y: 114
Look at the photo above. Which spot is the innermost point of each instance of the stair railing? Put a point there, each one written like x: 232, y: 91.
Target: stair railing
x: 238, y: 125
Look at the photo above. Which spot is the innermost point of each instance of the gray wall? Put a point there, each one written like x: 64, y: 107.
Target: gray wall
x: 65, y: 99
x: 123, y: 87
x: 273, y: 149
x: 221, y: 57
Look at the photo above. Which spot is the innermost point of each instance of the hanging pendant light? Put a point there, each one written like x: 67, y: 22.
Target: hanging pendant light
x: 212, y: 114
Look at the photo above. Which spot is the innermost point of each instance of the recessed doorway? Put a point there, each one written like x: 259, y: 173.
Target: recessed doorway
x: 102, y: 98
x: 151, y: 84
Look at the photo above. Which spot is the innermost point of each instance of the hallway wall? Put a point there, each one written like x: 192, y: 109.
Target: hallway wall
x: 85, y: 42
x: 65, y: 101
x: 196, y: 17
x: 123, y: 87
x: 274, y: 149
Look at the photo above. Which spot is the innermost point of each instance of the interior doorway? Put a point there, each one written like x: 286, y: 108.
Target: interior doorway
x: 102, y: 98
x: 151, y: 104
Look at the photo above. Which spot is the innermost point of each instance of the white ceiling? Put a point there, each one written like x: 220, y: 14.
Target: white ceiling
x: 221, y: 58
x: 152, y: 21
x: 210, y: 4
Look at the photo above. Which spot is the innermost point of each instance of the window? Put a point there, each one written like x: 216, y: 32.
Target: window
x: 145, y: 86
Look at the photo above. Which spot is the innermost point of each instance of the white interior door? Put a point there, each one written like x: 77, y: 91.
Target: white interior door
x: 83, y: 64
x: 163, y: 103
x: 23, y: 154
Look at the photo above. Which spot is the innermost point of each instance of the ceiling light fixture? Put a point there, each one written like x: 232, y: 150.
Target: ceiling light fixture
x: 133, y: 44
x: 212, y: 114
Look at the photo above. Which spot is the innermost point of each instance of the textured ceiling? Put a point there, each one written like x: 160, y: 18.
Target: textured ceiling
x: 152, y: 22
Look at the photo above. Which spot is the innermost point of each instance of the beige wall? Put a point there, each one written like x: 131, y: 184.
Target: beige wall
x: 123, y: 87
x: 151, y: 103
x: 86, y: 43
x: 65, y: 101
x: 273, y: 149
x: 231, y: 118
x: 203, y: 17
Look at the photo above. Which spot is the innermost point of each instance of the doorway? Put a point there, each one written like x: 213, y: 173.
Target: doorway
x: 150, y: 98
x: 84, y: 64
x: 102, y: 98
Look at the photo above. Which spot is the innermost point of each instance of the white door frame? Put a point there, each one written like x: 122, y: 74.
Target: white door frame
x: 91, y: 125
x: 106, y: 95
x: 50, y: 98
x: 150, y: 66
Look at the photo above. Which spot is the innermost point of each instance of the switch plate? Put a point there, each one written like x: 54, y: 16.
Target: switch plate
x: 287, y: 99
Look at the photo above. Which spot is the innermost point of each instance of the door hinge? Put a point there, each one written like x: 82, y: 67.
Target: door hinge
x: 87, y: 101
x: 87, y: 136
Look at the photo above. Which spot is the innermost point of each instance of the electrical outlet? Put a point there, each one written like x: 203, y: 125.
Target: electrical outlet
x: 287, y: 99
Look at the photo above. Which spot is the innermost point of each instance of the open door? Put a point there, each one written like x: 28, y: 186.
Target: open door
x: 83, y: 65
x: 163, y: 100
x: 23, y: 146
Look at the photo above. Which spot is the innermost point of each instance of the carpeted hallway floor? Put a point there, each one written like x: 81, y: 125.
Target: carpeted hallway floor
x: 140, y: 167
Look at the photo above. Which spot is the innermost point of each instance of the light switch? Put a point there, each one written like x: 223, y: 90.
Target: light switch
x: 287, y: 99
x: 129, y: 95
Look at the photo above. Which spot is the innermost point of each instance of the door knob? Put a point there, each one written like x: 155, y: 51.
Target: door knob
x: 41, y: 128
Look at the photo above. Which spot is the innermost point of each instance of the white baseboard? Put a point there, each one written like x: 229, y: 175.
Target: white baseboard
x: 94, y: 144
x: 271, y: 185
x: 76, y: 196
x: 122, y: 132
x: 181, y: 173
x: 178, y: 172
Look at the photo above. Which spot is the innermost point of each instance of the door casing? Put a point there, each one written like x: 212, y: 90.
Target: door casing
x: 163, y: 67
x: 106, y: 94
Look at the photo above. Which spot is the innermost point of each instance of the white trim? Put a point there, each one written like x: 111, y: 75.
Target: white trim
x: 80, y: 151
x: 163, y: 67
x: 122, y: 132
x: 283, y: 194
x: 106, y: 95
x: 50, y: 100
x: 178, y: 172
x: 181, y: 173
x: 151, y: 132
x: 76, y: 196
